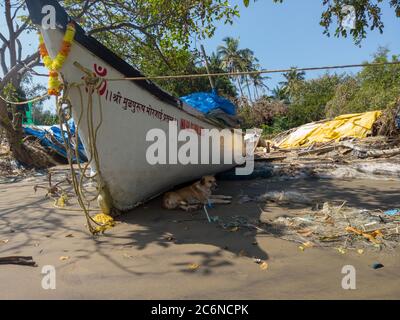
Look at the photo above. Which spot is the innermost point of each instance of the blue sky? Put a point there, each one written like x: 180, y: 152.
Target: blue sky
x: 286, y: 35
x: 289, y: 34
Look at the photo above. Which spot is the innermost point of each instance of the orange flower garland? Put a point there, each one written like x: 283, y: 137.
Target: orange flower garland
x: 54, y: 65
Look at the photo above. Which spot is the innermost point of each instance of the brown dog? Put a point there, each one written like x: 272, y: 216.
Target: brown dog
x: 195, y: 196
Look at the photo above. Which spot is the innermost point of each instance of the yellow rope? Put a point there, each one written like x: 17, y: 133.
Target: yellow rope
x: 78, y: 183
x: 25, y: 102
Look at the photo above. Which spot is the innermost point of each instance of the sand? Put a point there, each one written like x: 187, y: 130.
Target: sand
x: 148, y: 254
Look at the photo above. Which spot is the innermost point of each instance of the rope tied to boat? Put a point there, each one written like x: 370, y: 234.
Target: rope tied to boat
x: 81, y: 176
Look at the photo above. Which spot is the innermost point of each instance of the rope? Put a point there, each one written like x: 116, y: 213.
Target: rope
x: 78, y: 183
x: 243, y: 73
x: 25, y: 102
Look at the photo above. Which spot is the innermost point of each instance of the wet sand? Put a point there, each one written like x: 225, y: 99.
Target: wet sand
x: 138, y: 259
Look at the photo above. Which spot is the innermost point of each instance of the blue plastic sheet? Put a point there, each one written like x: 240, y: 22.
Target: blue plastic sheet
x: 43, y: 134
x: 208, y: 101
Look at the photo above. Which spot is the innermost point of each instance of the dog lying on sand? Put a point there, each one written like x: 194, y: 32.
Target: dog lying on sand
x: 195, y: 196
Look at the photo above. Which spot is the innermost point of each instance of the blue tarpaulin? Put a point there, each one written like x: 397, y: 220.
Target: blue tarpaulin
x: 208, y: 101
x: 51, y: 137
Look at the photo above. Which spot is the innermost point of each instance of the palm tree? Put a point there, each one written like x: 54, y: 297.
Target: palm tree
x: 280, y: 94
x: 292, y: 78
x: 247, y: 63
x: 230, y: 57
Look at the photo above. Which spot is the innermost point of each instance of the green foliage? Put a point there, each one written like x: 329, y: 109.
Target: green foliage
x: 279, y: 124
x: 43, y: 117
x: 144, y: 31
x: 373, y: 88
x: 309, y: 99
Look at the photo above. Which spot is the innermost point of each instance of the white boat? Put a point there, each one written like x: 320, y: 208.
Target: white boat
x: 130, y: 109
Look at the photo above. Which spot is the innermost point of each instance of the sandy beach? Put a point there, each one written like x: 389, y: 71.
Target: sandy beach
x: 156, y: 254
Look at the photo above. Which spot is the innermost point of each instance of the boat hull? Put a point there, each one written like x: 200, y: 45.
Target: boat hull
x: 129, y: 112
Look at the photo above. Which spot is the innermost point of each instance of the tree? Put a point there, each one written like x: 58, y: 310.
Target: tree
x: 373, y: 88
x: 142, y: 32
x: 293, y: 79
x: 230, y: 58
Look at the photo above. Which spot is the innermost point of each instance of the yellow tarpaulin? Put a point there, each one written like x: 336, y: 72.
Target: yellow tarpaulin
x: 356, y: 125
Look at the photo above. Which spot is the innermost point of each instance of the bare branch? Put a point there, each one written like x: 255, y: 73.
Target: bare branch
x: 20, y: 69
x: 21, y: 29
x: 19, y: 45
x: 3, y: 59
x: 3, y: 38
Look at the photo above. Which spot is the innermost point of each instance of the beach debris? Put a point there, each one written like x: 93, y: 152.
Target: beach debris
x: 341, y: 250
x: 377, y: 265
x: 105, y: 222
x: 18, y: 260
x: 62, y: 201
x: 340, y: 226
x: 169, y: 237
x: 64, y: 258
x: 360, y: 251
x: 244, y: 199
x: 392, y: 212
x: 263, y: 264
x: 128, y: 256
x: 4, y: 241
x: 284, y: 197
x: 53, y: 190
x: 194, y: 266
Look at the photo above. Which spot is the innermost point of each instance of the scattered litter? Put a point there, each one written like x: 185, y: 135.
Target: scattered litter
x: 392, y: 212
x: 105, y: 222
x: 5, y: 241
x: 194, y: 266
x: 62, y: 201
x: 169, y: 237
x: 360, y: 251
x: 244, y: 199
x: 341, y: 250
x: 128, y: 256
x: 64, y: 258
x: 284, y: 197
x: 18, y: 260
x: 264, y: 266
x: 340, y: 226
x: 377, y: 265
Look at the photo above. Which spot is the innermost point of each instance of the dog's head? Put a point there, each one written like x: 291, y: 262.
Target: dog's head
x: 209, y: 182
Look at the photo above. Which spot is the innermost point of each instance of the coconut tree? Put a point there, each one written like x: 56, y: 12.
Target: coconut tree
x: 292, y: 78
x: 230, y: 56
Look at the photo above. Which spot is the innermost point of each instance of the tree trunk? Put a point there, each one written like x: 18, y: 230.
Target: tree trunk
x: 29, y: 155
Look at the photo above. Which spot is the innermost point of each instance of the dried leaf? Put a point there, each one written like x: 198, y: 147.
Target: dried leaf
x: 341, y: 250
x: 264, y: 266
x: 305, y: 232
x: 63, y: 258
x: 194, y: 266
x: 308, y: 244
